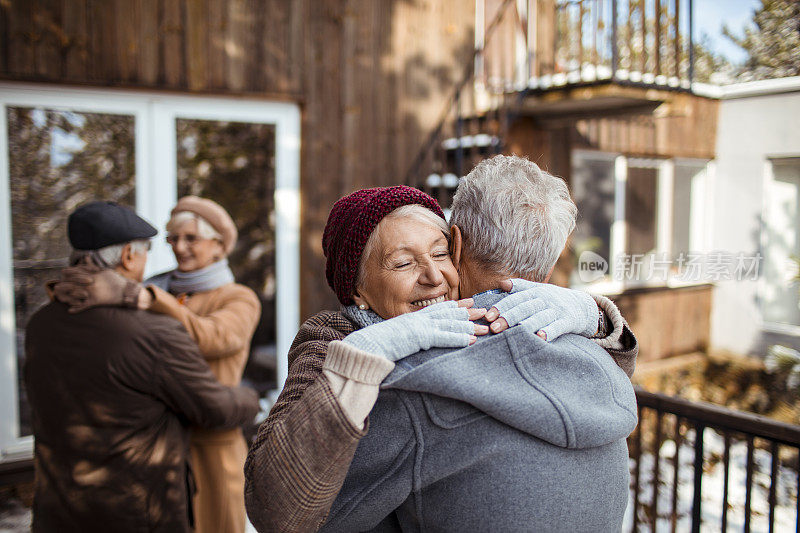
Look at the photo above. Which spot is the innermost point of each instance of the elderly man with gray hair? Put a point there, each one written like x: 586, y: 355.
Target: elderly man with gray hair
x: 515, y: 432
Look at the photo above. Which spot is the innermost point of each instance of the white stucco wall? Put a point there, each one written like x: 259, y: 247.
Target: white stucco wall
x: 757, y: 121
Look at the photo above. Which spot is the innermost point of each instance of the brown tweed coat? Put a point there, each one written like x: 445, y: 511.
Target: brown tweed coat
x: 301, y: 454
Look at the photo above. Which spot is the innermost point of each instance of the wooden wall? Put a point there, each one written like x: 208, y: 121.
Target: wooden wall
x: 371, y: 76
x: 684, y: 126
x: 668, y: 321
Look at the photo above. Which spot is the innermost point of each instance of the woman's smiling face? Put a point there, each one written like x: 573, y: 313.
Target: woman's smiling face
x: 408, y: 269
x: 193, y: 252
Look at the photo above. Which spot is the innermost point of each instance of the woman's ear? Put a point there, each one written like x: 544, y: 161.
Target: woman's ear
x: 220, y: 251
x: 360, y: 301
x: 455, y: 246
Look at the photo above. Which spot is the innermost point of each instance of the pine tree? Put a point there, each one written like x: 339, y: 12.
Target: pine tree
x: 773, y: 45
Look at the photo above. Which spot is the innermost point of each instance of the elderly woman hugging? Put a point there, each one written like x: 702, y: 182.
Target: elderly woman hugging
x: 389, y: 263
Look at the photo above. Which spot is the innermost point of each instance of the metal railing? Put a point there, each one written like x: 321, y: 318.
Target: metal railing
x: 668, y: 424
x: 648, y: 41
x: 547, y: 43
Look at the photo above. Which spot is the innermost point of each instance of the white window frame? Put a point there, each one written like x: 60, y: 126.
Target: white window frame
x: 768, y: 184
x: 156, y: 189
x: 699, y: 223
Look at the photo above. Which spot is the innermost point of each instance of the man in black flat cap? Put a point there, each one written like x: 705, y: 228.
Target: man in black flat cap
x: 113, y: 390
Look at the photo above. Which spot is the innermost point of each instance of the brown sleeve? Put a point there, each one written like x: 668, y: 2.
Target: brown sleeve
x: 298, y: 462
x: 225, y: 331
x: 625, y: 357
x: 183, y: 381
x: 616, y: 337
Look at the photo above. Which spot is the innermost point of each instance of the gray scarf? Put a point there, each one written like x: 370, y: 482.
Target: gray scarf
x: 361, y: 317
x: 206, y: 279
x: 366, y: 317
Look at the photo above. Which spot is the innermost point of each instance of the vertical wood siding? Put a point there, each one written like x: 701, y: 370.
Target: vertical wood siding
x: 370, y: 75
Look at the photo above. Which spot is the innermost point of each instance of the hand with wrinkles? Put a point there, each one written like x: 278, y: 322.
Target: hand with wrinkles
x: 87, y: 285
x: 548, y: 309
x: 442, y: 325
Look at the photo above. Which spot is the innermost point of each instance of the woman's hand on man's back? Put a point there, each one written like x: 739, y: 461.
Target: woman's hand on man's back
x: 548, y: 309
x: 443, y: 325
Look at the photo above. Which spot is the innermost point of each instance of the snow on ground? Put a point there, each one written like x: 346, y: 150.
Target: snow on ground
x: 712, y: 487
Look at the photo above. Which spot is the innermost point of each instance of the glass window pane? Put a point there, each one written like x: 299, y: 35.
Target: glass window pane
x: 681, y: 209
x: 687, y: 188
x: 640, y: 209
x: 592, y: 185
x: 233, y: 163
x: 57, y: 161
x: 780, y: 302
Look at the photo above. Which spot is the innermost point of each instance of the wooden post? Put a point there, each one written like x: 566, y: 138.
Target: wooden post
x: 643, y: 18
x: 691, y: 41
x: 614, y: 51
x: 658, y: 38
x: 581, y: 13
x: 545, y: 37
x: 677, y: 39
x: 629, y: 37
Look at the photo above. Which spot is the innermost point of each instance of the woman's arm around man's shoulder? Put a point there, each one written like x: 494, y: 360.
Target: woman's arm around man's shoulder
x: 298, y: 462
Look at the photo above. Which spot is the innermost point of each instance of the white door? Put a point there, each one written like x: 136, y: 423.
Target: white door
x: 62, y: 147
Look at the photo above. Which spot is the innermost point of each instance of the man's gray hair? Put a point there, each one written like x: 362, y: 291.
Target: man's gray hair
x: 514, y: 217
x: 416, y: 212
x: 109, y: 256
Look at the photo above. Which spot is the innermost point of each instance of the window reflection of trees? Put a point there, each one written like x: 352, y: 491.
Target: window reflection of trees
x: 233, y: 163
x: 58, y: 160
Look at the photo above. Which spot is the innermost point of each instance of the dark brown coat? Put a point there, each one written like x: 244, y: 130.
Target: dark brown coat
x: 112, y: 392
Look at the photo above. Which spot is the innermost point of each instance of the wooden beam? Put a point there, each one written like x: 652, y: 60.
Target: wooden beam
x: 677, y: 5
x: 643, y: 23
x: 217, y: 45
x: 172, y: 52
x: 657, y: 69
x: 196, y: 43
x: 149, y: 39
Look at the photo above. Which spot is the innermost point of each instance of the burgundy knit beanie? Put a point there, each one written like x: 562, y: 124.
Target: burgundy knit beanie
x: 350, y: 223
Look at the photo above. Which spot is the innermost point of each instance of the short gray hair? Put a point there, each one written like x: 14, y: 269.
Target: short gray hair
x: 513, y: 216
x: 413, y: 211
x: 110, y: 256
x: 204, y: 228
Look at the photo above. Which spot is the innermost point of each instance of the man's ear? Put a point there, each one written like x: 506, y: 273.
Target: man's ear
x: 549, y: 273
x: 455, y: 246
x: 126, y: 258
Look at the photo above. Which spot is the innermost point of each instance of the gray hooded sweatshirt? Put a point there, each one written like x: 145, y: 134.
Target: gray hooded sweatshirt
x: 510, y: 434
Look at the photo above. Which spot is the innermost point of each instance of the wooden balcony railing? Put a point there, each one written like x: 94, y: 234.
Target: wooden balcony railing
x: 547, y: 43
x: 670, y: 429
x: 524, y: 46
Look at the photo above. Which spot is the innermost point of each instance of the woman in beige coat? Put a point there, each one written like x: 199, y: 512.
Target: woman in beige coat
x: 220, y: 315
